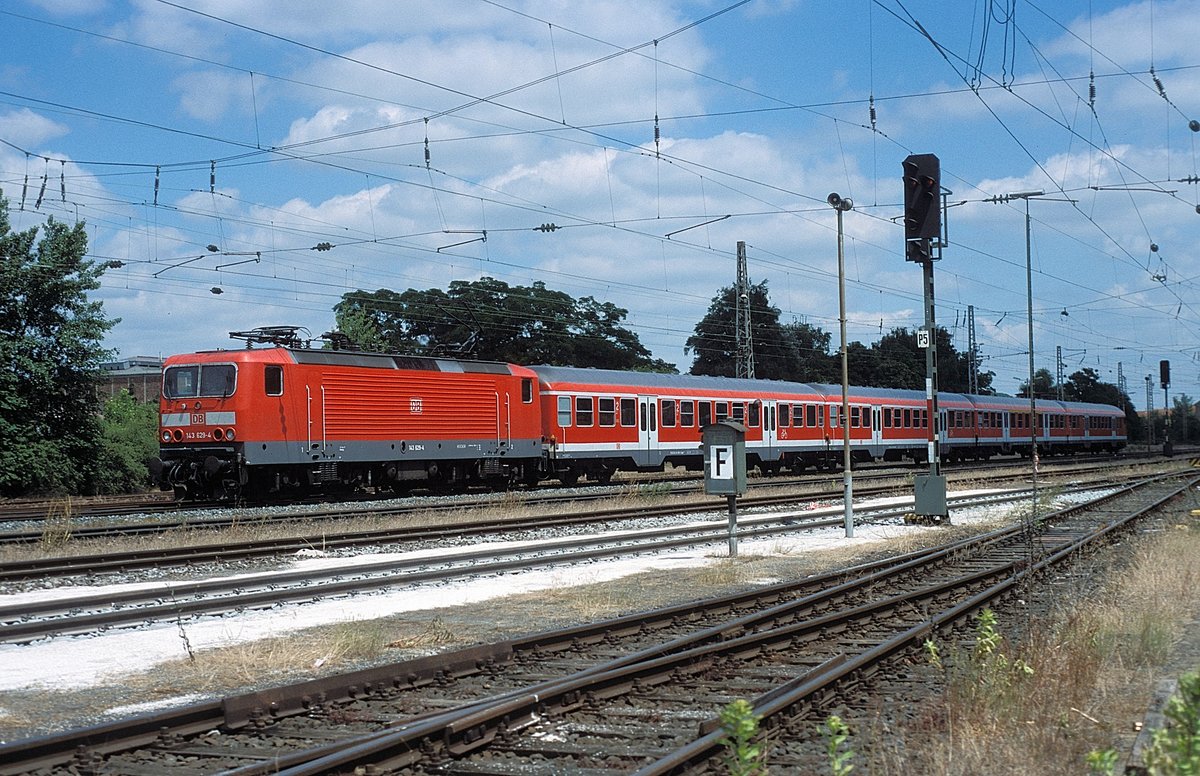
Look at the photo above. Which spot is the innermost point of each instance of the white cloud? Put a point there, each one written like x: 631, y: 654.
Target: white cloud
x: 28, y: 129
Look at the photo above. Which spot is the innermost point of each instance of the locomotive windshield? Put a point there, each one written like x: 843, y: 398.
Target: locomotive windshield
x: 190, y: 382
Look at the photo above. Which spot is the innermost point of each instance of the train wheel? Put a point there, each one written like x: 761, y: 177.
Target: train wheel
x: 569, y: 477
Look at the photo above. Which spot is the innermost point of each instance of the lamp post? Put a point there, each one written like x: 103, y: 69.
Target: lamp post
x: 840, y: 205
x: 1033, y: 419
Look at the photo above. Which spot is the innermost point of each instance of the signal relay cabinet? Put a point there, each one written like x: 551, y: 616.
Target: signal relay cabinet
x: 724, y: 446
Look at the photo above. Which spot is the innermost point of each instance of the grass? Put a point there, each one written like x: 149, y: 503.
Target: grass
x: 1072, y: 686
x: 56, y: 528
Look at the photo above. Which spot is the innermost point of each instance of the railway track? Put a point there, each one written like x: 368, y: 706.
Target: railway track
x: 43, y: 615
x: 81, y: 530
x: 637, y: 693
x: 108, y: 514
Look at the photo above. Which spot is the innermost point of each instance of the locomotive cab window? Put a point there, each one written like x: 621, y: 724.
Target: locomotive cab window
x: 526, y: 390
x: 200, y: 380
x: 273, y: 380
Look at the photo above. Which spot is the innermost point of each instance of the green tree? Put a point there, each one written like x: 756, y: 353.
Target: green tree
x: 1185, y: 426
x: 794, y: 351
x: 50, y: 345
x: 129, y: 439
x: 488, y: 319
x: 1086, y: 385
x: 811, y: 346
x: 899, y: 363
x: 1044, y: 386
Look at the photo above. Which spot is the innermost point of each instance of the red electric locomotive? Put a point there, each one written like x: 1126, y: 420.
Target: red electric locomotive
x: 285, y: 417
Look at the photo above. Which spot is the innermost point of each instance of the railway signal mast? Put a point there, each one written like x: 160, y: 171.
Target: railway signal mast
x: 923, y: 244
x: 1164, y: 378
x: 743, y: 334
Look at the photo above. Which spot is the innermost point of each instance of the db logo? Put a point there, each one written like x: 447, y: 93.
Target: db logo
x: 197, y: 418
x: 414, y: 405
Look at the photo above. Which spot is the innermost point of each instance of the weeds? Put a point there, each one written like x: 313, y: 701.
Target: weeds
x: 434, y: 634
x: 1175, y: 749
x: 837, y: 733
x: 1102, y: 762
x: 57, y: 528
x: 646, y: 491
x: 743, y: 757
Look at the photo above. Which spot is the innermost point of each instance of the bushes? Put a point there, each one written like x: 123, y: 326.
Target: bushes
x: 128, y: 439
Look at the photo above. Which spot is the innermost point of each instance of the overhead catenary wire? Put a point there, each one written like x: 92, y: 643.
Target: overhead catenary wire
x: 437, y: 189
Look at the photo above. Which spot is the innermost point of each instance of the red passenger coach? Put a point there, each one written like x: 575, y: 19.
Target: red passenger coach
x: 601, y: 421
x: 283, y: 418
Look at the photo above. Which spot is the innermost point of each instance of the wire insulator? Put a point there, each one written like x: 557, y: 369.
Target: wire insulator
x: 24, y: 190
x: 1092, y: 90
x: 872, y: 112
x: 212, y: 177
x: 427, y: 144
x: 1161, y: 91
x: 62, y: 179
x: 157, y: 170
x: 42, y: 193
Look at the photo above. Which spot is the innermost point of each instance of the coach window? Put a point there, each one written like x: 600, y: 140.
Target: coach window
x: 668, y: 413
x: 687, y: 413
x: 583, y: 410
x: 722, y: 411
x: 887, y: 417
x: 755, y: 413
x: 564, y: 411
x: 273, y: 380
x: 628, y: 412
x: 834, y: 411
x: 739, y: 411
x: 924, y: 418
x: 607, y: 411
x: 784, y: 419
x: 705, y: 414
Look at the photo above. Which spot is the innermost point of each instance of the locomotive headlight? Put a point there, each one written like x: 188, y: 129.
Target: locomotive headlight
x: 229, y: 434
x: 166, y: 436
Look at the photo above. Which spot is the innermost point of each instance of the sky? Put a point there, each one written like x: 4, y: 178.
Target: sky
x: 425, y: 142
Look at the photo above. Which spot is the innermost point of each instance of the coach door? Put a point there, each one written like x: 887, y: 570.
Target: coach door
x: 648, y: 430
x: 770, y: 430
